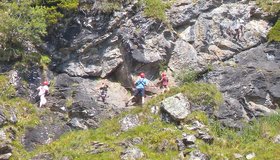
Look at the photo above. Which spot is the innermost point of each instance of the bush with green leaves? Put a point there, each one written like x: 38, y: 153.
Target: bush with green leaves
x: 187, y: 76
x: 20, y: 22
x: 27, y: 21
x: 273, y: 7
x: 156, y: 9
x: 274, y: 33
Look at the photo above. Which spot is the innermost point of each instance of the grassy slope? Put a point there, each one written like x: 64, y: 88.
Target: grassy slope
x: 256, y: 137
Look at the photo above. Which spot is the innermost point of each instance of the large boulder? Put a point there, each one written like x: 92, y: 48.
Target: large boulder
x: 223, y: 30
x: 52, y: 127
x: 177, y: 107
x: 251, y: 79
x: 184, y: 56
x: 80, y: 98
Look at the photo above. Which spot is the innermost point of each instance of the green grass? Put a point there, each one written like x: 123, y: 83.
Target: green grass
x: 156, y: 9
x: 6, y: 90
x: 77, y: 144
x: 272, y: 7
x: 274, y: 33
x: 26, y: 113
x: 269, y: 5
x: 197, y: 93
x: 186, y: 76
x: 256, y: 137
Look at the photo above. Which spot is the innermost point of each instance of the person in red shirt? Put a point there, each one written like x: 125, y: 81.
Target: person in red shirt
x: 164, y: 82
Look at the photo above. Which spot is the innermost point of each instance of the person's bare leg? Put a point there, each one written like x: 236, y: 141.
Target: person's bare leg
x: 41, y: 101
x: 143, y: 100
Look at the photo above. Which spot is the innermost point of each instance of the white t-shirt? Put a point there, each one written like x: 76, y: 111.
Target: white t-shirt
x: 42, y: 90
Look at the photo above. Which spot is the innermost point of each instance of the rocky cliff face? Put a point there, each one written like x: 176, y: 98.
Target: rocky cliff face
x: 120, y: 44
x: 116, y: 46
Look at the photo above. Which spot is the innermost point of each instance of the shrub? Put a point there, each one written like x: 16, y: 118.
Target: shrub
x: 156, y: 9
x: 6, y: 89
x: 45, y: 61
x: 186, y: 76
x: 274, y: 33
x: 269, y: 5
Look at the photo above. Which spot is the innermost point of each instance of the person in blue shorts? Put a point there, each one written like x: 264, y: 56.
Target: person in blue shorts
x: 140, y: 85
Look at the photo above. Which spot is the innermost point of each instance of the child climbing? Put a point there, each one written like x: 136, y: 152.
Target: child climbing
x: 164, y: 82
x: 103, y: 91
x: 43, y: 90
x: 140, y: 85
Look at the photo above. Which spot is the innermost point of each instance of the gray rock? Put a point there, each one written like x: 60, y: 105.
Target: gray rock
x: 230, y: 112
x: 197, y: 155
x: 196, y: 125
x: 250, y: 156
x: 163, y: 146
x: 51, y: 129
x: 182, y: 13
x: 253, y: 77
x: 5, y: 156
x: 277, y: 139
x: 111, y: 60
x: 137, y: 140
x: 98, y: 147
x: 132, y: 154
x: 184, y: 56
x: 2, y: 118
x: 75, y: 123
x: 188, y: 139
x: 5, y: 151
x: 177, y: 106
x: 259, y: 110
x: 180, y: 144
x: 43, y: 156
x: 14, y: 78
x: 3, y: 136
x: 84, y: 96
x: 13, y: 117
x: 129, y: 122
x: 237, y: 156
x: 204, y: 136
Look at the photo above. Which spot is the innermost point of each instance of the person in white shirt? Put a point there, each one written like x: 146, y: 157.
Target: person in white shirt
x: 43, y: 90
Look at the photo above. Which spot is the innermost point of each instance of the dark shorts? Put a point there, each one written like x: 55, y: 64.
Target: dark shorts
x: 139, y: 91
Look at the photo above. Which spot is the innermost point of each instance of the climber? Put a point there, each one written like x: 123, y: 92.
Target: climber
x: 140, y: 85
x: 163, y: 81
x: 103, y: 91
x: 43, y: 90
x: 238, y: 29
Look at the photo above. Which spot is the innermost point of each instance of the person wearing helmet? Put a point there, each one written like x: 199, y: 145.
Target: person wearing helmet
x: 43, y: 90
x: 140, y: 85
x: 164, y: 82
